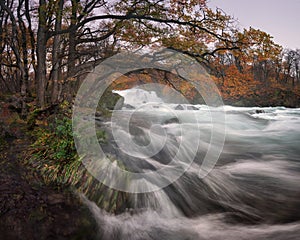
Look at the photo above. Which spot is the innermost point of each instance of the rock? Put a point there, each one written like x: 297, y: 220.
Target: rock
x: 179, y: 107
x: 128, y: 106
x: 135, y: 130
x: 111, y: 101
x: 259, y: 111
x: 97, y: 115
x: 119, y: 104
x: 172, y: 120
x: 192, y: 108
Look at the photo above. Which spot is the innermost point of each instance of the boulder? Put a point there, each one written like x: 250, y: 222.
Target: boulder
x: 179, y: 107
x: 110, y: 101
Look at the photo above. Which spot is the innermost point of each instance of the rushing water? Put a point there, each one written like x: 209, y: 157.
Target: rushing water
x: 253, y: 192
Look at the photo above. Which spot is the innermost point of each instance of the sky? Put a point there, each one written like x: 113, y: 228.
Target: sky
x: 280, y: 19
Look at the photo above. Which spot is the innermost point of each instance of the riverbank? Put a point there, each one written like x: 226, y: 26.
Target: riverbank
x: 30, y: 208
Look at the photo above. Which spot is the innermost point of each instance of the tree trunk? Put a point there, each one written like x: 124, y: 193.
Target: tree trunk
x: 25, y: 69
x: 72, y: 51
x: 41, y: 48
x: 55, y: 54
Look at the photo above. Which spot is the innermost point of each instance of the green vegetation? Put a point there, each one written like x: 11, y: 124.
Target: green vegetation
x: 54, y: 155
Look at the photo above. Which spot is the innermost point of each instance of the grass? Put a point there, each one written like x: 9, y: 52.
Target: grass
x: 54, y: 155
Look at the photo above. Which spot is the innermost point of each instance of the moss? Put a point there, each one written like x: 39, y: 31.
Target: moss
x: 108, y: 102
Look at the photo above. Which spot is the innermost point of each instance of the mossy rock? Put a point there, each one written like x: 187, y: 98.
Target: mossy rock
x: 110, y: 101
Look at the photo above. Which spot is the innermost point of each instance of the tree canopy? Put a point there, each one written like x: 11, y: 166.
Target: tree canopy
x: 47, y: 46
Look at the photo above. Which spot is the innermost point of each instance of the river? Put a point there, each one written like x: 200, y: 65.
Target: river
x: 252, y: 191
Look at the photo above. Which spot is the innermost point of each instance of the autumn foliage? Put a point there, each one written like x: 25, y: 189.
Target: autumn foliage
x: 47, y: 47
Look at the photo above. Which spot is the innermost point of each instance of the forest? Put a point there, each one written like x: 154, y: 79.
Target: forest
x: 47, y: 50
x: 48, y: 47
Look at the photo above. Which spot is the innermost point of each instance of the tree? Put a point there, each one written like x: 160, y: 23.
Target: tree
x: 291, y: 65
x: 72, y: 36
x: 41, y: 52
x: 55, y: 74
x: 131, y: 24
x: 16, y: 39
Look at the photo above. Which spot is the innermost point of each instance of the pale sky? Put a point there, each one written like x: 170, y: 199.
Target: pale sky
x: 279, y: 18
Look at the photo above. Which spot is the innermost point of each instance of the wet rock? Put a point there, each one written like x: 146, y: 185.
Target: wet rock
x: 128, y: 106
x: 259, y: 111
x: 172, y: 120
x: 120, y: 102
x: 179, y: 107
x: 136, y: 131
x: 111, y: 101
x: 192, y: 108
